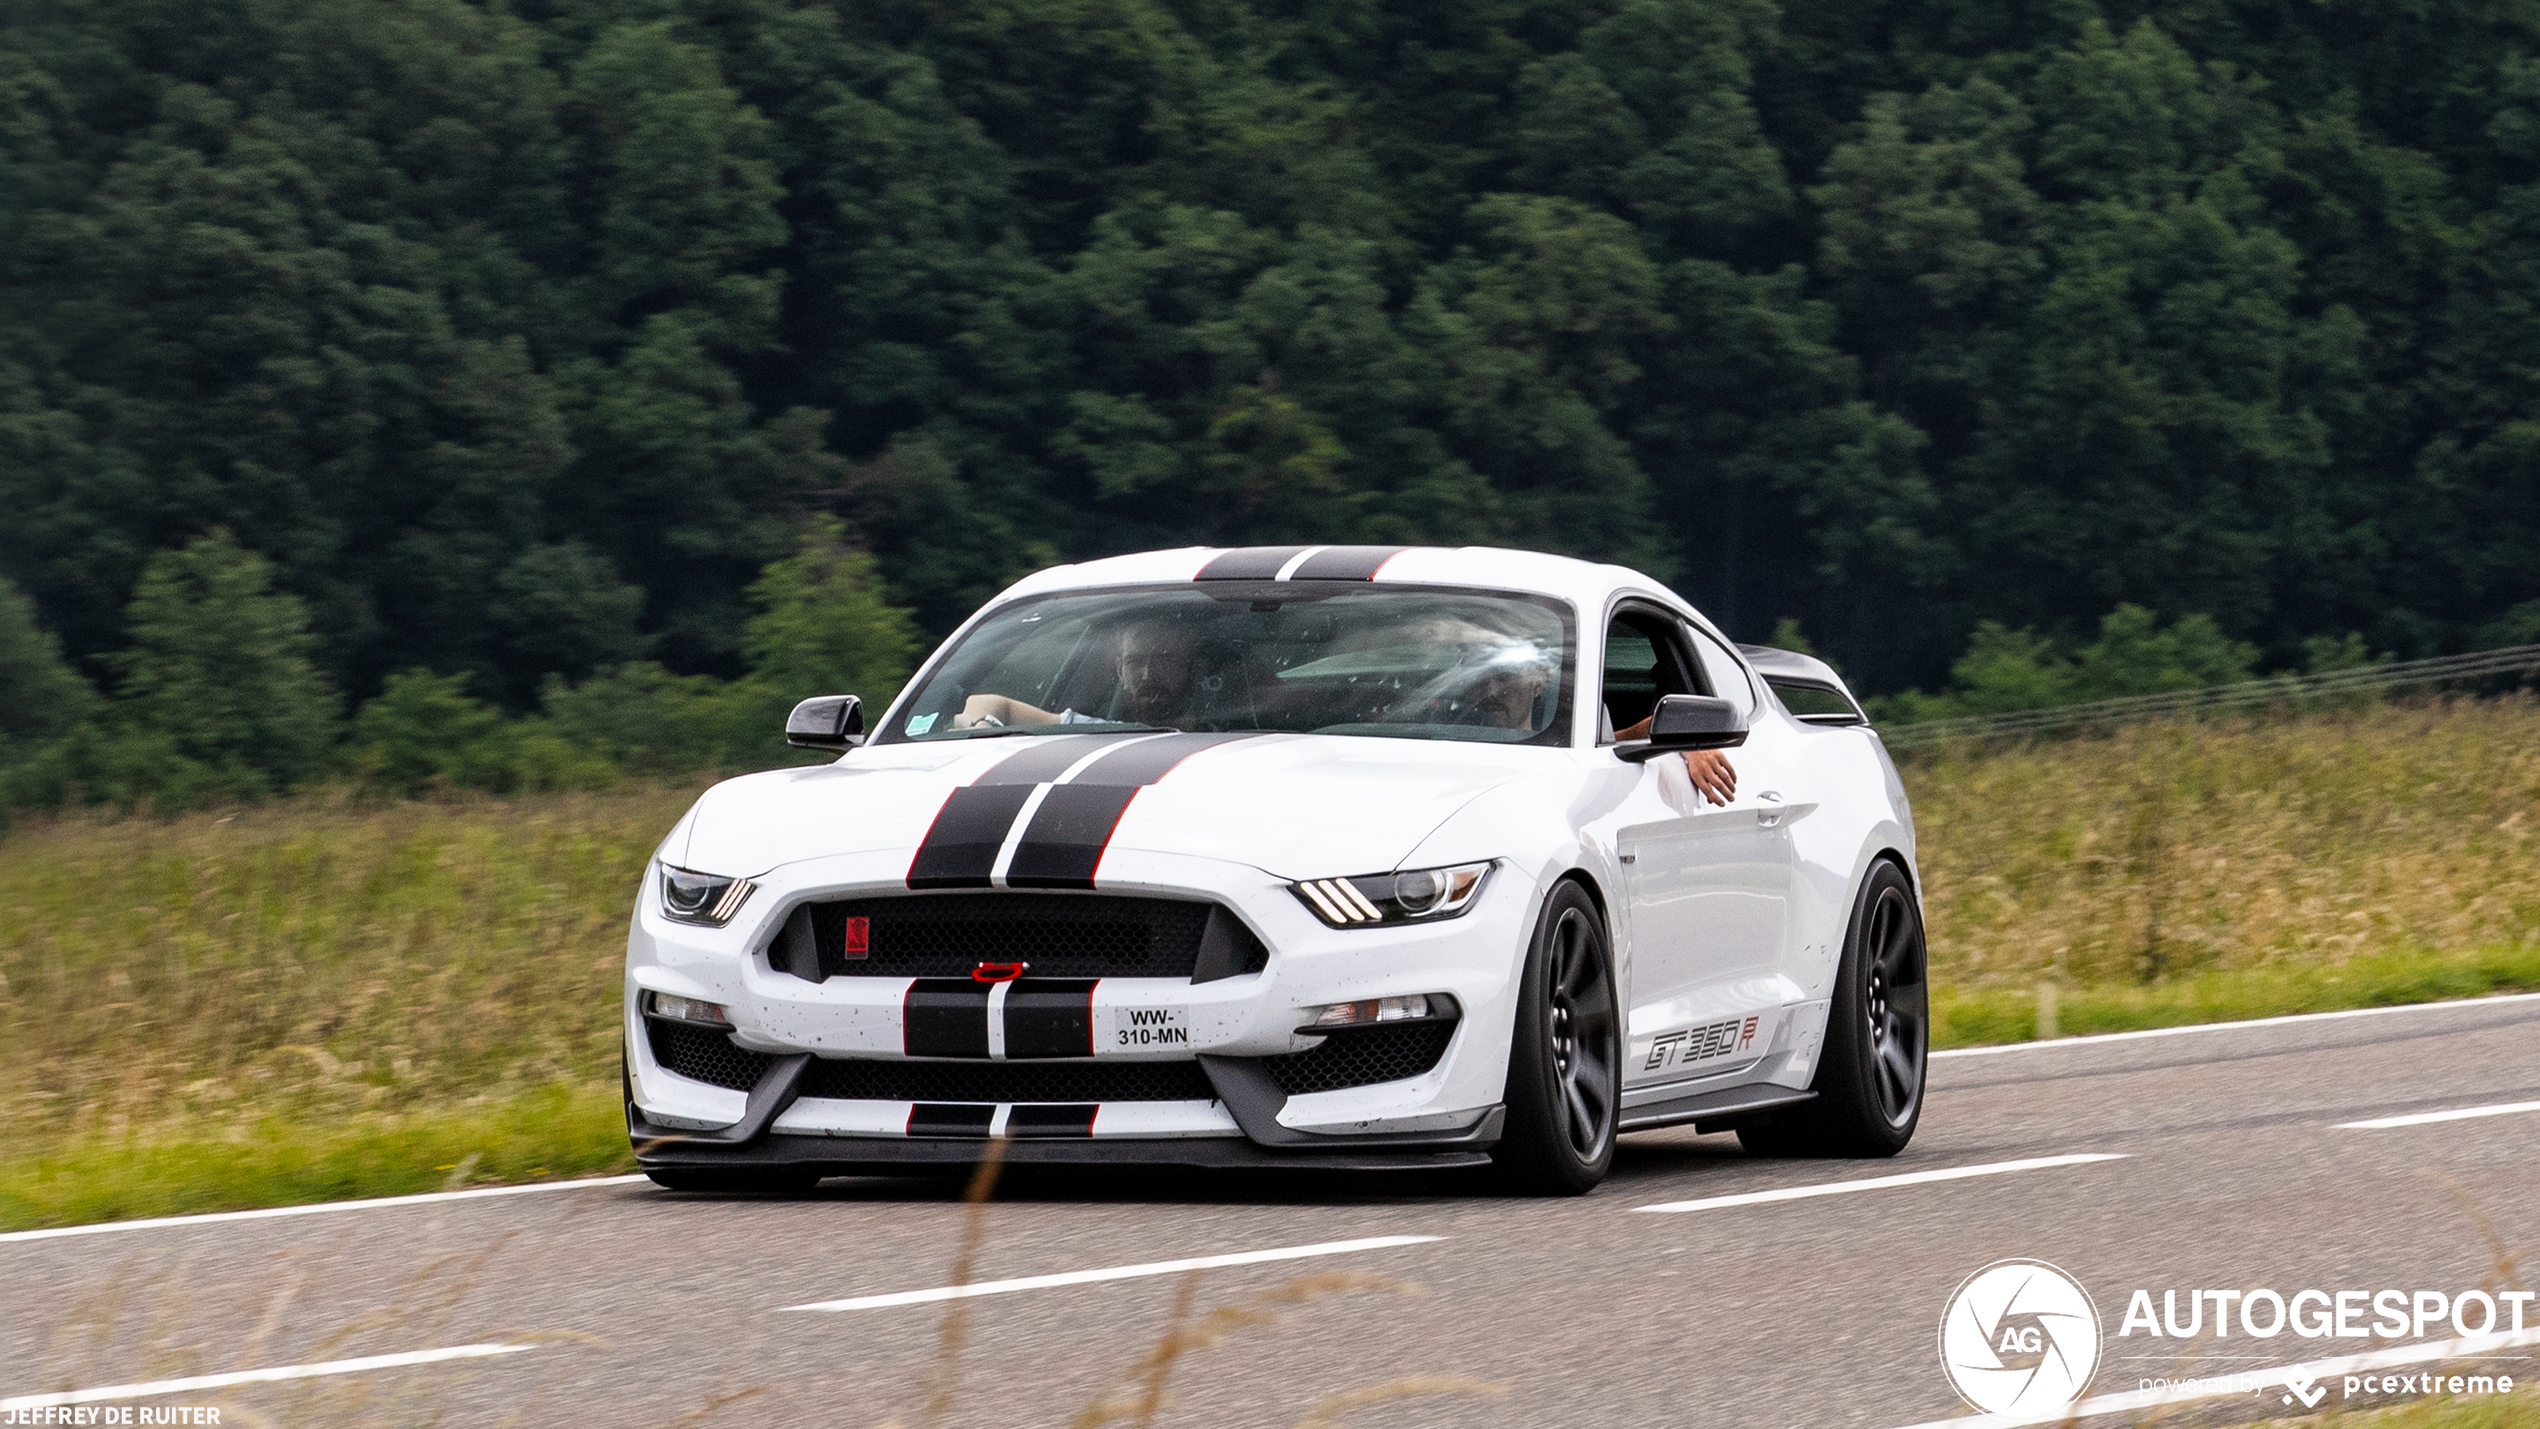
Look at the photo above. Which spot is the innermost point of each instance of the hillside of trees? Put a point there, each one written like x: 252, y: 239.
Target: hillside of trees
x: 512, y: 343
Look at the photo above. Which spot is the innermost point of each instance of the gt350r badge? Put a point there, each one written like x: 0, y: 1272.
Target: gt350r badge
x: 1702, y: 1044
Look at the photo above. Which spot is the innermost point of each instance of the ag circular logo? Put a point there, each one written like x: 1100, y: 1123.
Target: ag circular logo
x: 2019, y: 1336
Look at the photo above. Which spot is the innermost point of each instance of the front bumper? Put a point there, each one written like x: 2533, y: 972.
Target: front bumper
x: 849, y: 1037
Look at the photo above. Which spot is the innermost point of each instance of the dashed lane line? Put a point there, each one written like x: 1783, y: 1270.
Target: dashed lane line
x: 1116, y: 1272
x: 2428, y: 1118
x: 1881, y: 1183
x: 152, y: 1388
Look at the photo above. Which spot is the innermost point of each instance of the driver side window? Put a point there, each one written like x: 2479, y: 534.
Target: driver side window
x: 1644, y: 659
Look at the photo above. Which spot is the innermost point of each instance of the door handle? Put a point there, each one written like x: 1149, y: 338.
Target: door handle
x: 1769, y: 817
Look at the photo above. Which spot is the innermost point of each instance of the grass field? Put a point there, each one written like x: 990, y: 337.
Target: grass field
x: 313, y: 1000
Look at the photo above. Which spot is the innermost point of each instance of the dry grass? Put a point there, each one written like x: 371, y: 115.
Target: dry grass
x: 314, y: 999
x: 2304, y: 849
x: 316, y: 955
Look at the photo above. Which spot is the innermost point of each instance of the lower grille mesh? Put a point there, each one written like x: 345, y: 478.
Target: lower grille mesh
x: 705, y: 1055
x: 881, y: 1080
x: 1362, y: 1058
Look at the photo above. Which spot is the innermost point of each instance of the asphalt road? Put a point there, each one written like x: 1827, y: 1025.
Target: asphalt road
x: 644, y: 1307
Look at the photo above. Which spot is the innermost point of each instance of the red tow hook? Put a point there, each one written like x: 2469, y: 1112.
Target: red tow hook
x: 997, y: 972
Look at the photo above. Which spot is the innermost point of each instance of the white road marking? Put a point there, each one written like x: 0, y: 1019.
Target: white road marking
x: 2425, y: 1118
x: 259, y: 1376
x: 2097, y: 1038
x: 1880, y: 1183
x: 1116, y: 1272
x: 270, y: 1212
x: 2238, y: 1381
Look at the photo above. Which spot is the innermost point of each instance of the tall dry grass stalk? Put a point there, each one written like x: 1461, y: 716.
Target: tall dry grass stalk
x: 2181, y: 848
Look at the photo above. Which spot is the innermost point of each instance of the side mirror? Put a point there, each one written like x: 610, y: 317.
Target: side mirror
x: 1683, y: 722
x: 826, y: 722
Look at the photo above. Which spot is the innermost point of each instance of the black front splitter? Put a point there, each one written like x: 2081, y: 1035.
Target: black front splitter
x: 665, y: 1148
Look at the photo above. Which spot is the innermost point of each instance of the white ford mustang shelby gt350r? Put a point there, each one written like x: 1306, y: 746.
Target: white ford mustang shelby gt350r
x: 1316, y: 856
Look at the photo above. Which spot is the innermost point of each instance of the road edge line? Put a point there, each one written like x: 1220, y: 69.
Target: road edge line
x: 2182, y: 1030
x: 267, y: 1213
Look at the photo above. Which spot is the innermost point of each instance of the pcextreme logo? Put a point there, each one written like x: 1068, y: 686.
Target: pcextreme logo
x: 2019, y: 1336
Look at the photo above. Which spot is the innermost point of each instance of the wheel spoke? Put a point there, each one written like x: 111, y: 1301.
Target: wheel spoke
x: 1576, y: 967
x: 1582, y: 1119
x: 1898, y: 1083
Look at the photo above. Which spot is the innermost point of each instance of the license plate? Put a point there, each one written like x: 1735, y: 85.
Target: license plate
x: 1142, y: 1029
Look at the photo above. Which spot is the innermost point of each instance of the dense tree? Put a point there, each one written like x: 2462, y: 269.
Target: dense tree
x: 520, y: 339
x: 218, y: 677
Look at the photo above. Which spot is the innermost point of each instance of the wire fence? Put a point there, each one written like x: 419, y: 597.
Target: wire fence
x: 2519, y: 662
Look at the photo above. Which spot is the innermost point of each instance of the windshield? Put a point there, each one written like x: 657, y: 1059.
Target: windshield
x: 1400, y: 662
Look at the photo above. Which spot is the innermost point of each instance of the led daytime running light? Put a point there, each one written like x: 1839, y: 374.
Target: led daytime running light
x: 1377, y: 899
x: 702, y: 898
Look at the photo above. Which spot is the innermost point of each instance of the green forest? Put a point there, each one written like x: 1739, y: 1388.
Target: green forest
x: 603, y: 372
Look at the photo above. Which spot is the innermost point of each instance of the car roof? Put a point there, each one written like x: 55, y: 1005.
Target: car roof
x: 1585, y: 583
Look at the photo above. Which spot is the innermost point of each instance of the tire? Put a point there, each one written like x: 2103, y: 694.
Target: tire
x: 733, y: 1180
x: 1564, y: 1056
x: 1878, y: 1037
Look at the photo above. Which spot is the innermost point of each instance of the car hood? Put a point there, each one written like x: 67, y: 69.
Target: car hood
x: 1296, y: 806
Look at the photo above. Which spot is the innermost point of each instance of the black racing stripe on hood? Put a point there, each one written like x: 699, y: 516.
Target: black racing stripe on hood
x: 1042, y: 758
x: 1064, y: 844
x: 1053, y: 1119
x: 960, y: 847
x: 1345, y: 563
x: 944, y: 1017
x: 1146, y: 760
x: 1252, y: 563
x: 963, y: 1119
x: 1050, y: 1017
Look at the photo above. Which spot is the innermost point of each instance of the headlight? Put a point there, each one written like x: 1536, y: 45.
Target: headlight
x: 1379, y: 899
x: 702, y: 898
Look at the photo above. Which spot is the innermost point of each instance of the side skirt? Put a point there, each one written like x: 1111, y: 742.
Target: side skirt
x: 1714, y: 1111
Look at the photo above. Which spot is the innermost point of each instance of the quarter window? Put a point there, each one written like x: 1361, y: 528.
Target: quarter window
x: 1722, y: 672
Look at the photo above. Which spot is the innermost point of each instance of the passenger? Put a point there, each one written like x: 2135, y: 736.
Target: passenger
x: 1507, y: 690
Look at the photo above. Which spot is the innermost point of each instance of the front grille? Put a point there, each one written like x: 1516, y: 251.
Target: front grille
x: 705, y: 1055
x: 1059, y: 935
x: 1362, y: 1058
x: 863, y: 1079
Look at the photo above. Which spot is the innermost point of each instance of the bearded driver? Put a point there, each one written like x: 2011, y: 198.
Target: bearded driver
x: 1152, y: 680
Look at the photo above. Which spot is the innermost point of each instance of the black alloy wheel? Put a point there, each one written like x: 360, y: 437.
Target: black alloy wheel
x: 1878, y: 1037
x: 1564, y: 1055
